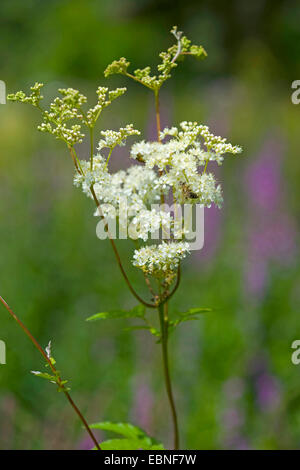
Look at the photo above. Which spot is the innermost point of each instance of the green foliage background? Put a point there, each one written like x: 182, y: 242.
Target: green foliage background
x: 235, y: 384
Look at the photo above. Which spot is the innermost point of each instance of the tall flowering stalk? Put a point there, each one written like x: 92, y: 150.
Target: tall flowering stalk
x: 174, y: 167
x: 53, y: 375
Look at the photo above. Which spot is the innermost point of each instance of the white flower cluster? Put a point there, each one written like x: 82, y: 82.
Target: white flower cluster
x: 98, y: 175
x: 186, y: 141
x: 160, y: 260
x: 153, y: 154
x: 133, y: 191
x: 181, y: 158
x: 136, y: 184
x: 150, y: 221
x: 215, y: 146
x: 114, y: 138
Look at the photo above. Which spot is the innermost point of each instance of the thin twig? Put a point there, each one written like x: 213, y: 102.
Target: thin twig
x: 127, y: 74
x: 74, y: 160
x: 47, y: 359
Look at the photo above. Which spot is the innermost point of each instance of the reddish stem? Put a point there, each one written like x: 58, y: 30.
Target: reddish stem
x: 47, y: 359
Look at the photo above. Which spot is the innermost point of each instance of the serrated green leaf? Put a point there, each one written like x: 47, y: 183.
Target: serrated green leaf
x: 137, y: 312
x: 128, y: 444
x: 195, y: 311
x: 44, y: 375
x: 124, y: 429
x: 134, y: 436
x: 189, y: 315
x: 174, y: 323
x: 121, y: 444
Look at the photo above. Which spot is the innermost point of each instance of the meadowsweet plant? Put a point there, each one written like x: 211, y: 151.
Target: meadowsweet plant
x: 173, y: 168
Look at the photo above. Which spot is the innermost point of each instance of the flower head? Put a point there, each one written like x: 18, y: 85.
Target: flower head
x: 114, y: 138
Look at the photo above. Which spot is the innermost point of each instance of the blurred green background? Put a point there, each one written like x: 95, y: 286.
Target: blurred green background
x: 235, y: 384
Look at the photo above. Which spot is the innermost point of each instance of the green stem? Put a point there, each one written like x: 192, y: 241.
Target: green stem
x: 157, y: 114
x: 92, y: 146
x: 164, y: 323
x: 163, y: 316
x: 108, y: 157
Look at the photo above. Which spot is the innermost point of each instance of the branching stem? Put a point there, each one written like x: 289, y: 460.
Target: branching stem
x: 115, y: 250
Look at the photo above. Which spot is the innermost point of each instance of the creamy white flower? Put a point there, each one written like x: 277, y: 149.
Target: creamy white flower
x: 173, y: 131
x: 188, y: 149
x: 89, y: 177
x: 160, y: 260
x: 114, y: 138
x: 177, y: 166
x: 147, y: 221
x: 151, y: 153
